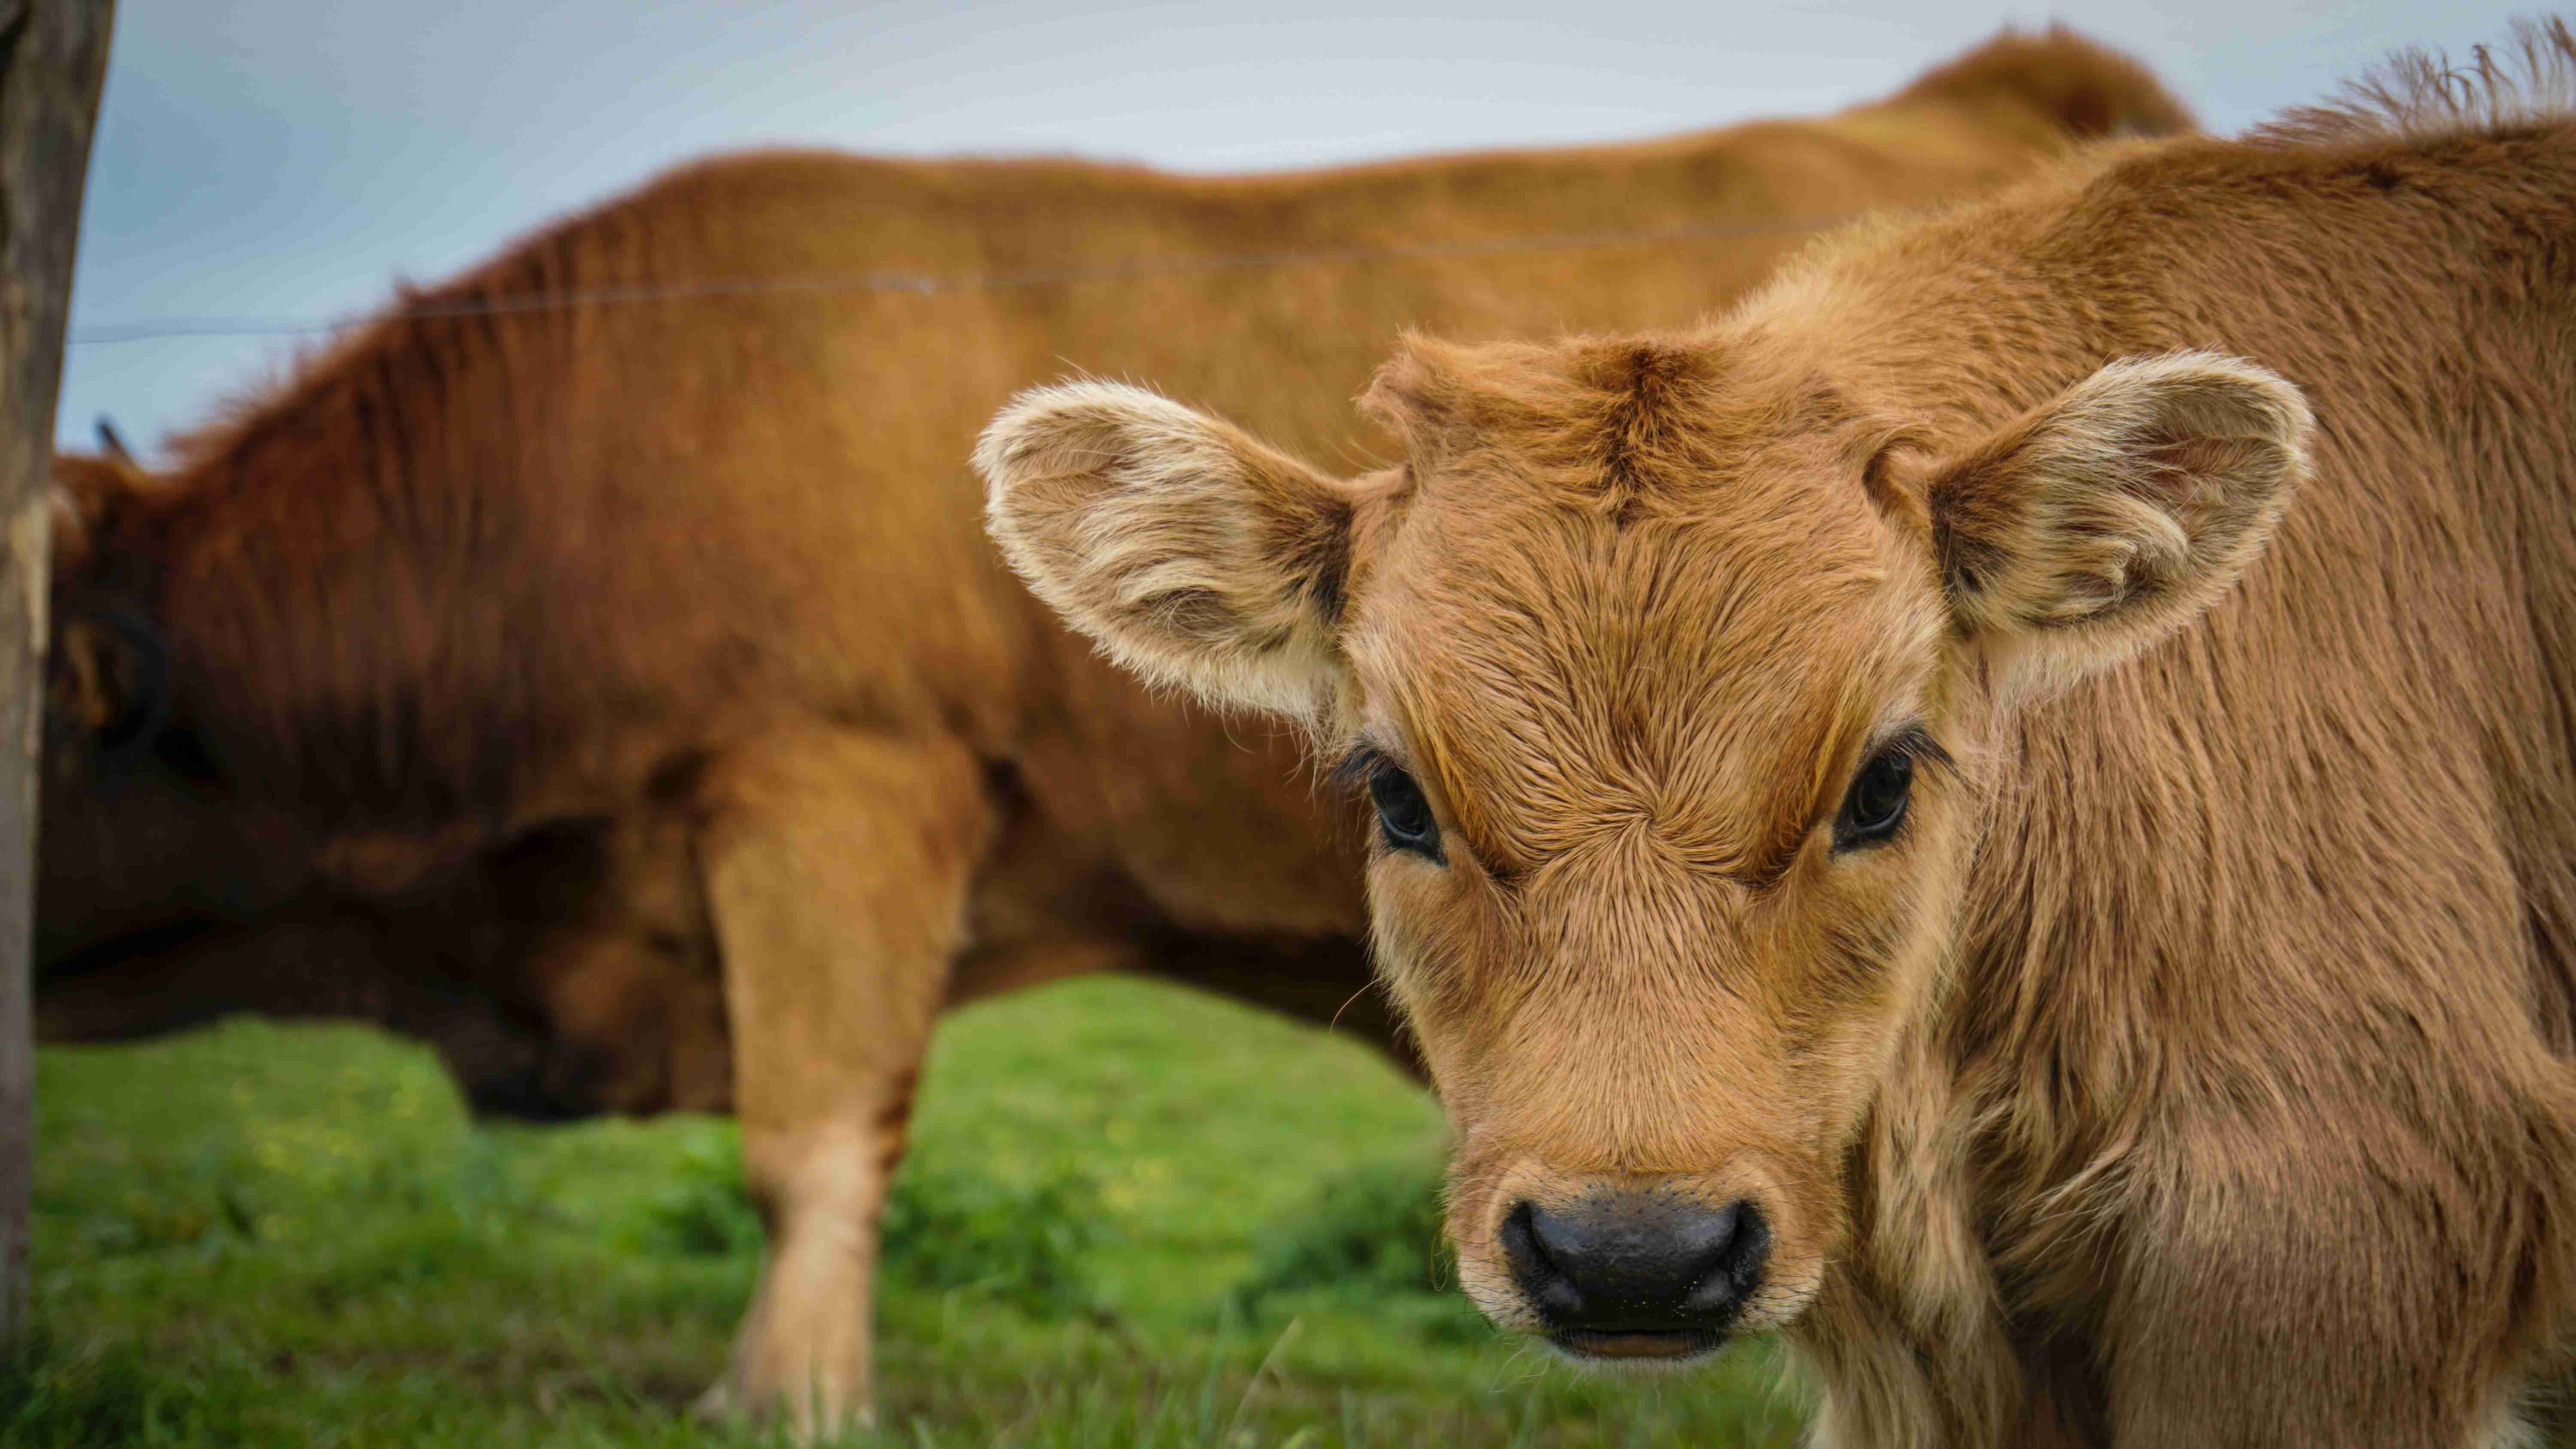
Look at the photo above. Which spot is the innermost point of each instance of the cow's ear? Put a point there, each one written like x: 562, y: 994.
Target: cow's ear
x: 2114, y: 514
x: 1196, y: 555
x: 91, y: 492
x: 109, y: 680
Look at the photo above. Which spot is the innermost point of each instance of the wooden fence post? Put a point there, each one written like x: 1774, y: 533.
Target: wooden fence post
x: 53, y: 54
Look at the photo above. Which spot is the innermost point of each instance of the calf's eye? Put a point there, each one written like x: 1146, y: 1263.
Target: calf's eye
x: 1403, y: 814
x: 1876, y: 804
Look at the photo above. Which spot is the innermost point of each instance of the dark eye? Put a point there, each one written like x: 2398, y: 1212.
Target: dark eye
x: 183, y: 754
x: 1403, y: 815
x: 1876, y: 804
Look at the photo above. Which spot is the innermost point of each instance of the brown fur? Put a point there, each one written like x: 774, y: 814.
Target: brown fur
x: 698, y: 580
x: 2194, y: 1065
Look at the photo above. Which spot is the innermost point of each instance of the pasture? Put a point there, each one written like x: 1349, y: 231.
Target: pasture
x: 1134, y: 1216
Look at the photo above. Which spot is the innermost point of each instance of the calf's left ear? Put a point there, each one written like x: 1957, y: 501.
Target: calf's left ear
x: 2114, y: 514
x: 1196, y: 555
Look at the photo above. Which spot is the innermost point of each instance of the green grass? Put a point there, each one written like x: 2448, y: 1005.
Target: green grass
x: 1134, y: 1217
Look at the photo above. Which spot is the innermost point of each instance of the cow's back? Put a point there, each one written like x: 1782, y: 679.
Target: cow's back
x: 823, y: 433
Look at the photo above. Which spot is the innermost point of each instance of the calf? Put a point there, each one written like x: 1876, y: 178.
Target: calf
x: 1893, y: 826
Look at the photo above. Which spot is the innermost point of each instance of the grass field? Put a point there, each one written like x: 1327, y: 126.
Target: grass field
x: 1134, y: 1217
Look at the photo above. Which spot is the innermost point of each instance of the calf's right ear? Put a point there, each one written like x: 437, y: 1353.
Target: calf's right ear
x: 1196, y: 555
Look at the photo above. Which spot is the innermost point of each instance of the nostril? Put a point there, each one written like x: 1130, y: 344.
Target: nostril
x: 1732, y: 1267
x: 1533, y: 1267
x: 1520, y: 1238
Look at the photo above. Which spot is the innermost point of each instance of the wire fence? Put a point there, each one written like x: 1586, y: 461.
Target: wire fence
x: 933, y: 284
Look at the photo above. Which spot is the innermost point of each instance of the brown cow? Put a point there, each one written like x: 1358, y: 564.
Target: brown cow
x: 1858, y: 858
x: 624, y: 609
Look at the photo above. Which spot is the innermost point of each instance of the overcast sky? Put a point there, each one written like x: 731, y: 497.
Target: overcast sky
x: 290, y: 159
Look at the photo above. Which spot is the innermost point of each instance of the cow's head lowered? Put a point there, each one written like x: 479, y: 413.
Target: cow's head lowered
x: 561, y: 970
x: 1673, y: 673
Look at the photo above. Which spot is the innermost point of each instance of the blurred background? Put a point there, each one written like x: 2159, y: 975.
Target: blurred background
x: 1133, y: 1215
x: 264, y: 167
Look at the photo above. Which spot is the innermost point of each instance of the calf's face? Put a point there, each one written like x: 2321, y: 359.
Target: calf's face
x: 1673, y: 674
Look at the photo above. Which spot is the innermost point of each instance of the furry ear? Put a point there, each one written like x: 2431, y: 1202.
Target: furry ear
x: 109, y: 680
x: 2109, y: 517
x: 108, y: 677
x: 1196, y: 555
x: 91, y: 492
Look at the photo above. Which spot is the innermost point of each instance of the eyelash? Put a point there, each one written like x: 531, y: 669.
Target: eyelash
x: 1918, y: 750
x: 1369, y: 772
x: 1917, y: 745
x: 1352, y: 771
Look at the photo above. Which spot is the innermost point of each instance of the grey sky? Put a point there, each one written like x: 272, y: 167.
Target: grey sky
x: 292, y: 158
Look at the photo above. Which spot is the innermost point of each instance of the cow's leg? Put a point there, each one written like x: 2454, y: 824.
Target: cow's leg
x: 837, y: 869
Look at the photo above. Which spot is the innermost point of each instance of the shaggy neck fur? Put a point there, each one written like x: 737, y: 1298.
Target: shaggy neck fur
x: 2147, y: 968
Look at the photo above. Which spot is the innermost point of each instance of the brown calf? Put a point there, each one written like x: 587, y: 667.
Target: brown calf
x: 1894, y: 826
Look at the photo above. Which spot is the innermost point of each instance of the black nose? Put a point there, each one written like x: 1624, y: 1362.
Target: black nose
x: 1637, y: 1262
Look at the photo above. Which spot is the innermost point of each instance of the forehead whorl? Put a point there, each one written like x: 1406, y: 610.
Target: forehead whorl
x: 1607, y: 423
x: 1558, y: 668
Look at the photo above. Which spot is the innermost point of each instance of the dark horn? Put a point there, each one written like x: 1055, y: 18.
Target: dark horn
x: 112, y: 443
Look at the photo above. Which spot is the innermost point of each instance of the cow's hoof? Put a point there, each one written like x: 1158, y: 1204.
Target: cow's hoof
x: 725, y: 1402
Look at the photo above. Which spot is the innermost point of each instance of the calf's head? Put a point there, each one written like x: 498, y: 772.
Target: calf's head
x: 1674, y: 673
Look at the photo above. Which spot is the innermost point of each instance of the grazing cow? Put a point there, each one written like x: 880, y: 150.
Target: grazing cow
x: 612, y: 633
x: 1893, y: 823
